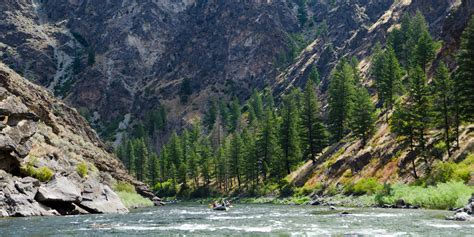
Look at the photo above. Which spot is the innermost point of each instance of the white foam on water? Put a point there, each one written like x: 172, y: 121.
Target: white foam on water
x: 376, y: 215
x: 440, y: 225
x: 234, y: 217
x: 263, y: 229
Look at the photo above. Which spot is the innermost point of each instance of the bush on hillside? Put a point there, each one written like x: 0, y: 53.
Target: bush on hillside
x: 166, y: 189
x: 363, y: 186
x: 82, y: 169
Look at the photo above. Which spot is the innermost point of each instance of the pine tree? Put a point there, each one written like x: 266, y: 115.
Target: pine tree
x: 141, y: 162
x: 289, y: 138
x: 192, y: 167
x: 234, y: 115
x: 175, y: 152
x: 211, y: 115
x: 302, y: 13
x: 388, y: 74
x: 425, y: 50
x: 182, y: 174
x: 314, y: 134
x: 224, y: 114
x: 249, y: 158
x: 266, y: 144
x: 235, y: 157
x: 465, y: 74
x: 153, y: 169
x: 205, y: 164
x: 221, y: 161
x: 341, y: 93
x: 403, y: 125
x: 419, y: 101
x: 165, y: 165
x: 257, y: 104
x: 363, y: 115
x: 314, y: 75
x: 443, y: 91
x: 132, y: 156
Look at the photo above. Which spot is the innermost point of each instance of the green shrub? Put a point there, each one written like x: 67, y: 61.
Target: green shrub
x: 82, y: 169
x: 449, y: 171
x: 331, y: 190
x: 366, y: 186
x: 133, y: 200
x: 442, y: 173
x: 166, y: 189
x: 442, y: 196
x: 307, y: 190
x: 124, y: 187
x: 43, y: 174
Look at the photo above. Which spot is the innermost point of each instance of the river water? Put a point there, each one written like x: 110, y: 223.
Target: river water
x: 244, y: 219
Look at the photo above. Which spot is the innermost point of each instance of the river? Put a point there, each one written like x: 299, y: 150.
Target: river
x: 244, y: 219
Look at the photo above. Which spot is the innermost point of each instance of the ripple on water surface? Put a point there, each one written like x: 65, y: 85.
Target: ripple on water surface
x: 266, y: 220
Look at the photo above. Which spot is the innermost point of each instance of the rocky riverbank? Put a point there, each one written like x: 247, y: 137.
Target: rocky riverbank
x: 466, y: 213
x: 51, y: 161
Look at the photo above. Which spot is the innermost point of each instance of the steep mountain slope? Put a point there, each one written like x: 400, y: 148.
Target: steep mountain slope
x: 144, y: 50
x: 42, y: 137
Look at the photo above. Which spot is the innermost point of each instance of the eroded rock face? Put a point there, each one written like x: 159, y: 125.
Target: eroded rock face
x: 17, y: 126
x: 38, y: 132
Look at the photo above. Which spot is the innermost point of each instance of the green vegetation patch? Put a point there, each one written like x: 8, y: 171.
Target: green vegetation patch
x: 82, y: 169
x: 442, y: 196
x: 129, y: 197
x: 43, y: 174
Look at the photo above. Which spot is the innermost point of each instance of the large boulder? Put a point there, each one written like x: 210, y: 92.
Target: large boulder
x: 59, y: 189
x: 17, y: 197
x: 100, y: 198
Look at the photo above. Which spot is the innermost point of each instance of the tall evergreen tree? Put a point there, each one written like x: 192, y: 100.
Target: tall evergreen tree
x: 314, y: 75
x: 341, y: 96
x: 235, y: 111
x: 419, y: 101
x: 257, y: 104
x: 403, y: 125
x: 425, y: 50
x: 175, y: 152
x: 211, y: 115
x: 314, y: 134
x: 465, y: 74
x: 443, y: 91
x: 153, y: 169
x: 289, y: 138
x: 363, y: 115
x: 249, y: 158
x: 132, y: 156
x: 388, y: 74
x: 235, y: 157
x: 141, y: 162
x: 267, y: 144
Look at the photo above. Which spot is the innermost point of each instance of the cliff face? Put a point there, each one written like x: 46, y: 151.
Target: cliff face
x: 143, y: 50
x: 38, y: 131
x: 115, y: 59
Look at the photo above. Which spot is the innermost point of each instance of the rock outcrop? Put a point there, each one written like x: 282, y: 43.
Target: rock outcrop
x: 43, y: 138
x: 466, y: 213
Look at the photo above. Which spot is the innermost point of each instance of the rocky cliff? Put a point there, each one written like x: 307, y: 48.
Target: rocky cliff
x: 51, y: 161
x: 116, y: 60
x: 113, y: 59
